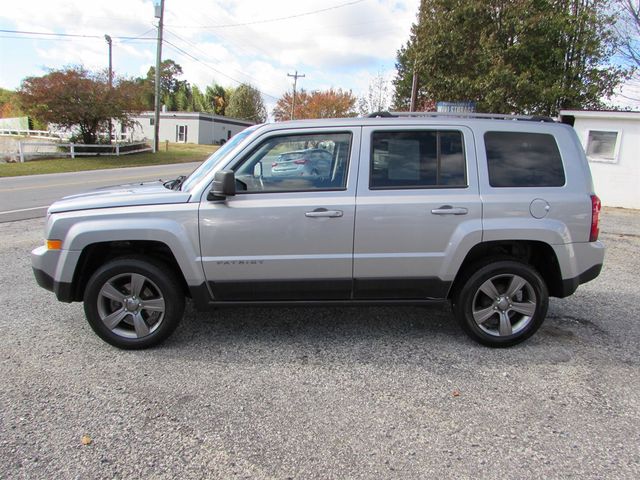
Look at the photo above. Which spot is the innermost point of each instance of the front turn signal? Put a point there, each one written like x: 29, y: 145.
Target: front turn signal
x: 54, y: 244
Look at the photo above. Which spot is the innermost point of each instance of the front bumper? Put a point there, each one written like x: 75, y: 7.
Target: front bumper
x: 45, y: 263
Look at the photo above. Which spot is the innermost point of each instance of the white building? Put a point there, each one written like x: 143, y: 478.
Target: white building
x: 612, y: 143
x: 187, y: 127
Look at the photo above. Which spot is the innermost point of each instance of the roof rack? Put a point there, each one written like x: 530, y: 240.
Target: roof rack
x: 488, y: 116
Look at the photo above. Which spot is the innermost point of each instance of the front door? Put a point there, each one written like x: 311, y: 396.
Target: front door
x: 418, y: 206
x: 288, y: 232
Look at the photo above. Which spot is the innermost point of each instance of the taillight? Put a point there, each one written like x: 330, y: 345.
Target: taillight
x: 274, y: 164
x: 302, y: 161
x: 596, y: 206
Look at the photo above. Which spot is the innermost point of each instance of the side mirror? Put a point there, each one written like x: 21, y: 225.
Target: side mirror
x: 224, y: 185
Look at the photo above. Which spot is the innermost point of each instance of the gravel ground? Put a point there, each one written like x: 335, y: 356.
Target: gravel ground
x: 323, y: 392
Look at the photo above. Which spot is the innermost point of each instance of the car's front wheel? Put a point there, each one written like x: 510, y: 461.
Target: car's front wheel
x: 501, y: 303
x: 133, y: 303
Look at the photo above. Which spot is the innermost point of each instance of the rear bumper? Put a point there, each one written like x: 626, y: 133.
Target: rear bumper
x: 570, y: 285
x: 580, y: 263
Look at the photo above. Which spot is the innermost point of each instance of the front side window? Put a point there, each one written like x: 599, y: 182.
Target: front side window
x: 517, y: 159
x: 417, y: 159
x: 295, y: 163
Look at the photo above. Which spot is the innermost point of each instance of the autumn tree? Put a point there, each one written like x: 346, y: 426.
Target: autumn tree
x: 524, y: 56
x: 77, y: 98
x: 332, y: 103
x: 246, y: 104
x: 9, y: 106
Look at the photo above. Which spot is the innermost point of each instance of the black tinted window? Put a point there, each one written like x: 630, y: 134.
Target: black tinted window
x: 523, y: 160
x: 417, y: 159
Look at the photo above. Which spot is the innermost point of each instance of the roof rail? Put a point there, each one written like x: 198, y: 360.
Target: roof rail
x: 489, y: 116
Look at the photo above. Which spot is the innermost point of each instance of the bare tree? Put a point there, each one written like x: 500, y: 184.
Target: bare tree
x: 377, y: 98
x: 629, y: 46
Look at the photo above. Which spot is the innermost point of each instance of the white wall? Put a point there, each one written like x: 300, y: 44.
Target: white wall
x: 205, y: 132
x: 617, y: 183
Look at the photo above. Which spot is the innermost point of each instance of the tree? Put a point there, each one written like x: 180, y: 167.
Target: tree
x: 9, y: 106
x: 216, y: 98
x: 524, y: 56
x: 77, y: 98
x: 318, y: 104
x: 246, y: 104
x: 377, y: 97
x: 170, y: 85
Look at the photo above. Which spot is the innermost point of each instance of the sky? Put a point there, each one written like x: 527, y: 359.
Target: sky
x: 339, y: 43
x: 336, y: 43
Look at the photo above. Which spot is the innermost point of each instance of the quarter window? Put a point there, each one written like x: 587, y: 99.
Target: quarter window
x: 295, y: 163
x: 518, y: 159
x: 417, y: 159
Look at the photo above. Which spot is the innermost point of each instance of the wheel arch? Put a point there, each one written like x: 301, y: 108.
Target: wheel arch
x: 97, y: 254
x: 539, y: 255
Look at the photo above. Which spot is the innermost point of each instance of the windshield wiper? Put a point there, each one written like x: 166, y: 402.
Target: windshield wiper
x: 175, y: 184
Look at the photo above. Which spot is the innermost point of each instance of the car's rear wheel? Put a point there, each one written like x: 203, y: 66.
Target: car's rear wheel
x: 501, y: 303
x: 133, y: 303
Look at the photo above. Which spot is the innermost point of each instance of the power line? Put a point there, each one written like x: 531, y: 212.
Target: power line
x: 73, y: 35
x: 278, y: 19
x: 195, y: 47
x: 174, y: 46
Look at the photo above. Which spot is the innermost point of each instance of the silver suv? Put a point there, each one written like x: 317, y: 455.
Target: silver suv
x: 493, y: 213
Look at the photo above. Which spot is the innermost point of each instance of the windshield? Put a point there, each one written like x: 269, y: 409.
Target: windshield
x: 219, y: 154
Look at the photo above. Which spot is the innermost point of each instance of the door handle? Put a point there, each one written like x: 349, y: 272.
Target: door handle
x: 449, y: 210
x: 323, y: 212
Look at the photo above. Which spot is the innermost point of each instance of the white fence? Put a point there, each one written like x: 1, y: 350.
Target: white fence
x: 13, y: 132
x: 49, y: 134
x: 27, y: 150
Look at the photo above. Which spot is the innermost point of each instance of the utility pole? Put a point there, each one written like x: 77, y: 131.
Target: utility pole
x: 109, y: 42
x: 295, y: 77
x: 414, y: 88
x: 156, y: 117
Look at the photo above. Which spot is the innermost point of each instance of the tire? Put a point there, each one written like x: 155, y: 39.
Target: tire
x: 133, y: 303
x: 485, y: 307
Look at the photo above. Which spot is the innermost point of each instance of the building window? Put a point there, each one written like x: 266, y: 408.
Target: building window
x: 151, y: 121
x: 602, y: 146
x: 181, y: 133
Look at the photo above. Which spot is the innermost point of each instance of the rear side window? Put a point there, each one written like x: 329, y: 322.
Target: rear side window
x: 519, y: 159
x: 417, y: 159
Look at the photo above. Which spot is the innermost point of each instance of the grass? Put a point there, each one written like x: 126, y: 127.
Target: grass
x: 176, y: 153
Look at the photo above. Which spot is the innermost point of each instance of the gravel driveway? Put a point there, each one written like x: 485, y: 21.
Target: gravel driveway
x: 306, y: 393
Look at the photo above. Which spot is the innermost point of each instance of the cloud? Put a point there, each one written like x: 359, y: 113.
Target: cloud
x: 232, y: 42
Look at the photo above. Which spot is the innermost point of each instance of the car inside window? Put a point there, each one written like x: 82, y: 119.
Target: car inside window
x: 295, y: 163
x: 417, y: 159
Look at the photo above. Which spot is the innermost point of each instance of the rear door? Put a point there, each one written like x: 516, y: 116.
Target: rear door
x: 418, y: 210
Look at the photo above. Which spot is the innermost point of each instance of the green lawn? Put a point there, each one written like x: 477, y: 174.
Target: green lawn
x: 177, y: 153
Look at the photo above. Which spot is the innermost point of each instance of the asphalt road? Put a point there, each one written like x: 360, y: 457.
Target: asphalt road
x: 29, y: 196
x: 305, y: 393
